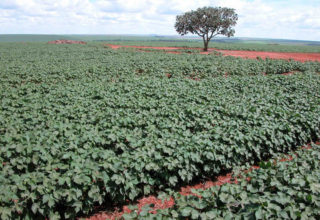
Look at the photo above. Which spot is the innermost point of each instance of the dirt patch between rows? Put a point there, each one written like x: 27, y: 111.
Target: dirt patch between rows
x: 66, y: 42
x: 184, y: 191
x: 302, y: 57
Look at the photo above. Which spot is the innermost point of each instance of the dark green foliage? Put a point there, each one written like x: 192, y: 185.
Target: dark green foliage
x: 282, y: 190
x: 82, y: 125
x: 207, y: 22
x: 57, y: 63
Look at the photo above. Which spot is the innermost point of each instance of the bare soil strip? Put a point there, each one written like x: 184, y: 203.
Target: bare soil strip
x: 302, y: 57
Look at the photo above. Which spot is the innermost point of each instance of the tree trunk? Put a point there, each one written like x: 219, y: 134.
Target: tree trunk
x: 206, y: 46
x: 205, y: 42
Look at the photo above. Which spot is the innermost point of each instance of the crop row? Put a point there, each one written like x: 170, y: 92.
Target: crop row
x: 277, y: 190
x: 71, y: 144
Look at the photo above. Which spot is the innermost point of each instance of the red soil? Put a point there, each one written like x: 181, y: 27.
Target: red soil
x: 66, y: 42
x: 185, y: 191
x: 157, y: 205
x: 302, y: 57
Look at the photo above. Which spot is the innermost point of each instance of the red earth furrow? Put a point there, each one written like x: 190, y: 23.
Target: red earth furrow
x: 184, y: 191
x: 302, y: 57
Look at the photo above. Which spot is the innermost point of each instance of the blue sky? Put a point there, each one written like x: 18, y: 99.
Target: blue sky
x: 284, y: 19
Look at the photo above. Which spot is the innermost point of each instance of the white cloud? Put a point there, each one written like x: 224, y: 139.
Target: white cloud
x: 257, y: 18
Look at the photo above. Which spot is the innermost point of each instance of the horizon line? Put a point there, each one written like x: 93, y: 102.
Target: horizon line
x: 163, y: 35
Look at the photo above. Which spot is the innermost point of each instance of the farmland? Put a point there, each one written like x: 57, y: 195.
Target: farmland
x: 302, y: 57
x: 84, y: 125
x: 248, y: 44
x: 285, y: 189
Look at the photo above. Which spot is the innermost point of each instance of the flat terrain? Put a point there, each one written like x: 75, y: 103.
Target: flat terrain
x: 84, y: 128
x: 302, y: 57
x: 247, y: 44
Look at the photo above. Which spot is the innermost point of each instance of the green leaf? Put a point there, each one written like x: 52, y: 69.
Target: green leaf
x: 173, y: 180
x: 258, y: 213
x: 212, y: 214
x: 34, y: 208
x: 185, y: 212
x: 146, y: 189
x: 194, y: 214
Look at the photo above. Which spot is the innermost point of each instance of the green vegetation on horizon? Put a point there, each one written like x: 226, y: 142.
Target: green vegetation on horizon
x: 219, y: 43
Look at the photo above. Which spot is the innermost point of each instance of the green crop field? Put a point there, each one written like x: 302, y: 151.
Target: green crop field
x: 285, y: 190
x: 84, y: 125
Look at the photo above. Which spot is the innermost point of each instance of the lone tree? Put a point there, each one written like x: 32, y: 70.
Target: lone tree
x: 207, y: 22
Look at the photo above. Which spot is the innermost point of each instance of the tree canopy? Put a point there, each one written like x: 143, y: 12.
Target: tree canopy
x: 207, y: 22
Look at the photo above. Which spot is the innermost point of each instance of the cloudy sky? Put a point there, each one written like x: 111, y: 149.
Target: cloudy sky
x: 285, y: 19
